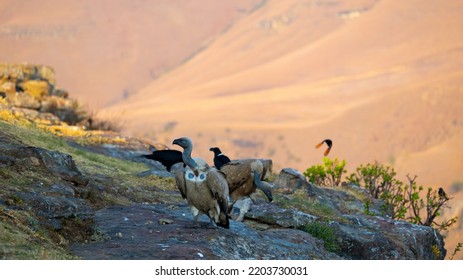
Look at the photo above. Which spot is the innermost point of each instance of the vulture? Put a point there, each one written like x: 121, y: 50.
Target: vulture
x: 245, y: 176
x: 219, y: 158
x: 328, y: 142
x: 204, y: 188
x: 167, y: 157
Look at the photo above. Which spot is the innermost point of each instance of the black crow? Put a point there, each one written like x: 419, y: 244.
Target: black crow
x: 219, y: 158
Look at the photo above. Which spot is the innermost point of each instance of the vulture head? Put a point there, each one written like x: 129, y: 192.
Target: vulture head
x: 187, y: 146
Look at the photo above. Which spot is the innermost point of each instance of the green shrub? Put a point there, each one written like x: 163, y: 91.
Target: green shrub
x: 401, y: 202
x: 432, y: 203
x: 381, y: 183
x: 327, y: 174
x: 324, y: 232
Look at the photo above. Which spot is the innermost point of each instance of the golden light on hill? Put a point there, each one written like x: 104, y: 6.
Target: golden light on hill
x: 382, y: 78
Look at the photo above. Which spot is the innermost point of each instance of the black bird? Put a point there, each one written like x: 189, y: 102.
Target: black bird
x: 219, y: 158
x: 166, y: 157
x: 442, y: 194
x: 328, y: 142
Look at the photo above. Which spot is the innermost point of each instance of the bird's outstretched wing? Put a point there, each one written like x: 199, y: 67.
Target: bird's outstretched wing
x: 179, y: 172
x: 328, y: 142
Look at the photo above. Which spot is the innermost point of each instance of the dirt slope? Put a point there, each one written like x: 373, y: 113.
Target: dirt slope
x: 105, y: 51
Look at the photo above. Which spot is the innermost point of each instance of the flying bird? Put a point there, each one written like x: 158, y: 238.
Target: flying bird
x: 205, y: 188
x: 328, y: 142
x: 442, y: 194
x: 219, y: 158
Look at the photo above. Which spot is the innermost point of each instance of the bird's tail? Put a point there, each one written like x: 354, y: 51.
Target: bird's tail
x: 223, y: 220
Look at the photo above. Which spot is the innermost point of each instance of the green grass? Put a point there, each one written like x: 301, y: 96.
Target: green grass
x: 323, y: 232
x: 22, y: 240
x: 300, y: 201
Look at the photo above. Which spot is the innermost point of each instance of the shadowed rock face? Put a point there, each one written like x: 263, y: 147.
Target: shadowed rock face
x: 53, y: 162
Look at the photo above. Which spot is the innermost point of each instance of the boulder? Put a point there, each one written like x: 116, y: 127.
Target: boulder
x: 291, y: 179
x: 36, y: 88
x: 23, y: 100
x: 271, y: 214
x: 54, y: 162
x: 377, y: 238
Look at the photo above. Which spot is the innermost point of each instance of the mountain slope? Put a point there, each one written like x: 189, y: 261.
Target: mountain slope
x: 389, y: 72
x: 116, y: 47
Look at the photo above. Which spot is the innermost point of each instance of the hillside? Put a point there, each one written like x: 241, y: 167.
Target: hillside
x: 68, y: 192
x: 116, y: 48
x: 380, y: 78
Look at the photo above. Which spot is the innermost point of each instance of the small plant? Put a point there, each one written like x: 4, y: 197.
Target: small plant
x: 456, y: 250
x: 327, y: 174
x: 322, y: 231
x: 436, y: 252
x: 366, y: 208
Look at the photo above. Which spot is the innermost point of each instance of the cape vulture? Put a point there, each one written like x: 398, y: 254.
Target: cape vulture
x: 245, y: 176
x: 204, y: 188
x: 219, y: 158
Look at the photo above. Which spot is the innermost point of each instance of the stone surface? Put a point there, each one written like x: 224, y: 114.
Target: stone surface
x: 271, y: 214
x: 135, y: 234
x: 52, y: 207
x: 54, y: 162
x: 377, y: 238
x: 291, y: 179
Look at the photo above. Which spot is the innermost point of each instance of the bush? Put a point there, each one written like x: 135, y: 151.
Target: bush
x: 324, y: 232
x: 327, y: 174
x: 402, y: 202
x: 433, y: 203
x: 380, y: 182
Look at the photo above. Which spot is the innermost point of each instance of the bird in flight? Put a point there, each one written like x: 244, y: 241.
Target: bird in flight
x: 328, y: 142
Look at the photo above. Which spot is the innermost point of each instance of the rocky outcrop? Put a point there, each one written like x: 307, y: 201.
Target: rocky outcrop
x: 49, y: 202
x: 31, y: 86
x: 135, y: 232
x: 377, y: 238
x: 53, y: 162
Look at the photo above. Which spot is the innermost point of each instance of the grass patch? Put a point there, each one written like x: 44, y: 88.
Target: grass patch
x: 21, y: 238
x: 323, y: 232
x: 300, y: 201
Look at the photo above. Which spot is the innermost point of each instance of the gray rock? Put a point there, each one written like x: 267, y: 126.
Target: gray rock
x: 52, y: 207
x: 378, y: 238
x: 140, y: 237
x: 271, y: 214
x: 291, y: 179
x: 159, y: 173
x: 54, y: 162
